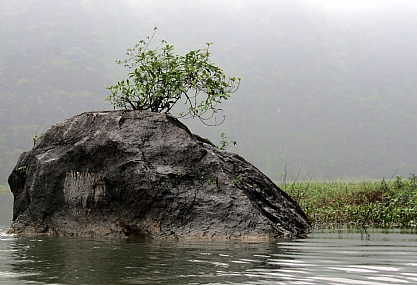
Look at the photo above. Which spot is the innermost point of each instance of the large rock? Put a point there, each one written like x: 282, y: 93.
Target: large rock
x: 143, y: 174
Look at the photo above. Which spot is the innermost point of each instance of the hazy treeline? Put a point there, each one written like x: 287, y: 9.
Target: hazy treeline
x: 330, y: 94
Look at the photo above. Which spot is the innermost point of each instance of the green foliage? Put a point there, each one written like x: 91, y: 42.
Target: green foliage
x: 161, y: 78
x: 210, y: 180
x: 236, y: 180
x: 36, y: 137
x: 180, y: 173
x: 22, y: 170
x: 225, y: 142
x: 207, y: 140
x: 382, y: 204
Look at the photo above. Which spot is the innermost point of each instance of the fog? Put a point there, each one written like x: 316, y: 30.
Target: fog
x: 347, y: 5
x: 328, y: 87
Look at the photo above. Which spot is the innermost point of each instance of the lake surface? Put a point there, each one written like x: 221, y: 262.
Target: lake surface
x: 326, y: 257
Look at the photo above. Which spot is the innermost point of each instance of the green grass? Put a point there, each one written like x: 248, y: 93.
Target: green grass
x: 377, y: 204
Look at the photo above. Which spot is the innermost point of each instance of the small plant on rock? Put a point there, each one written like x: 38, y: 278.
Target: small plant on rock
x: 22, y: 170
x: 225, y: 142
x: 160, y: 78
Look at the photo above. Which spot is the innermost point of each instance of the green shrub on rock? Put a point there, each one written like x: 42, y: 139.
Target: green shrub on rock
x: 160, y: 78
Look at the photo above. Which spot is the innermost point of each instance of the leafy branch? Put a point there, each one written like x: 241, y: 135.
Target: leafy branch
x: 161, y: 78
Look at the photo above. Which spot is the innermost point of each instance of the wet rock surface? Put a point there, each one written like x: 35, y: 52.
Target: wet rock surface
x: 143, y: 174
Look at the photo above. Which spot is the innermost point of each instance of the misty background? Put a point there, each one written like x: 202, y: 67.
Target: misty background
x: 328, y: 91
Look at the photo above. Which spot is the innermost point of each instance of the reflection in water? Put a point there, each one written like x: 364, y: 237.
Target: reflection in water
x: 324, y: 258
x: 75, y: 261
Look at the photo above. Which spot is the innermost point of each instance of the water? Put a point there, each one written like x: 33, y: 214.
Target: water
x: 326, y: 257
x: 6, y: 207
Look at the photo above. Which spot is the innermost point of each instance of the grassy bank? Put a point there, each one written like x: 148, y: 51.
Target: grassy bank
x: 379, y: 204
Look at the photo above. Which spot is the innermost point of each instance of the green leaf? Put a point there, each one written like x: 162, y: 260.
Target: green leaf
x: 161, y: 78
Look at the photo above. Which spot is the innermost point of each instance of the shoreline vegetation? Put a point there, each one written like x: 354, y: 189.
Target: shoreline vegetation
x: 363, y: 204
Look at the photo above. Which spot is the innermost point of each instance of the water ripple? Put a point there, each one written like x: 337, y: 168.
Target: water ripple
x: 324, y: 258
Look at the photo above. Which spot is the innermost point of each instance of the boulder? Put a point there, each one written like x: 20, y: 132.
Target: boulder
x: 143, y: 174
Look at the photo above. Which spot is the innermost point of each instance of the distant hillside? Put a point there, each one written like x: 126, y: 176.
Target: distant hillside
x: 330, y: 95
x: 56, y: 60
